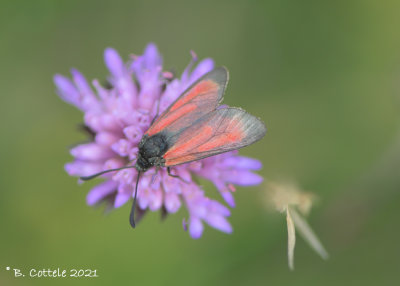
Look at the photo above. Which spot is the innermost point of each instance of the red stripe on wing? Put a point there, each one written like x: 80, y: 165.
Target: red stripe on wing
x: 195, y: 140
x: 207, y: 86
x: 220, y: 131
x: 170, y: 118
x: 221, y: 140
x: 198, y: 100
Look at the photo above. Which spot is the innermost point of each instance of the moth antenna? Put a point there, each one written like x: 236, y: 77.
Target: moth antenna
x: 132, y: 215
x: 86, y: 178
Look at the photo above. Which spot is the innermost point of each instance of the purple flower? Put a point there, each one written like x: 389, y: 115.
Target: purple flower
x: 117, y: 118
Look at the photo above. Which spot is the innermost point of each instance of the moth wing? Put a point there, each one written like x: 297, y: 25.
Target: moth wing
x: 217, y: 132
x: 199, y: 99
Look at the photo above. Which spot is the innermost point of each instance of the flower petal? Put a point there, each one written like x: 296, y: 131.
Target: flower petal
x: 82, y: 168
x: 195, y: 227
x: 66, y: 90
x: 114, y: 163
x: 89, y: 100
x: 133, y: 133
x: 122, y: 147
x: 91, y: 151
x: 156, y: 200
x: 102, y: 122
x: 152, y: 56
x: 219, y: 222
x: 172, y: 202
x: 99, y: 192
x: 241, y: 162
x: 106, y: 138
x: 125, y: 176
x: 114, y: 62
x: 121, y: 199
x: 228, y: 197
x: 201, y: 69
x: 244, y: 178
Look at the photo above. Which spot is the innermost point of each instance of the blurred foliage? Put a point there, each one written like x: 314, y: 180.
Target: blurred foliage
x: 324, y: 76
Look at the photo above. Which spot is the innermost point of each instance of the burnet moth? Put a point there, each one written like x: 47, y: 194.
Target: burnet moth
x: 194, y: 127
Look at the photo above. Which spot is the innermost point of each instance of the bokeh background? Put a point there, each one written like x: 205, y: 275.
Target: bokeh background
x: 324, y: 76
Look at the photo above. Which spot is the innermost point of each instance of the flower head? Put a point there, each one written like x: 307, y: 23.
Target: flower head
x: 117, y: 116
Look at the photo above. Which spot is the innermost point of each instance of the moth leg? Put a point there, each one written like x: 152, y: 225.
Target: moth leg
x: 175, y: 176
x: 172, y: 175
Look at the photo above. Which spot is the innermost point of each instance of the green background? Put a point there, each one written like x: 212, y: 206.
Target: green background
x: 323, y: 75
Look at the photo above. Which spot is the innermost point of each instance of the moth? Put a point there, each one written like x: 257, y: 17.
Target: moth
x: 195, y: 126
